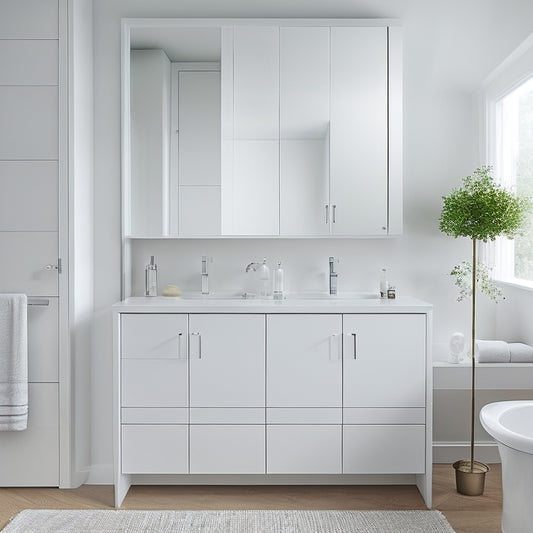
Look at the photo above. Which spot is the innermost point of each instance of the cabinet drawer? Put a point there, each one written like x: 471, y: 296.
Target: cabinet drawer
x: 155, y: 449
x: 304, y: 449
x: 154, y: 335
x: 231, y: 449
x: 154, y: 383
x: 384, y: 449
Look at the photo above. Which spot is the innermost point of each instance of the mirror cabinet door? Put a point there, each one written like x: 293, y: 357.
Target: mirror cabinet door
x: 304, y: 130
x: 256, y: 131
x: 359, y: 131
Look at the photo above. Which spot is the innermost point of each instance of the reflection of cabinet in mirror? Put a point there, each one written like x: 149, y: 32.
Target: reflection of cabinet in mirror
x: 288, y: 128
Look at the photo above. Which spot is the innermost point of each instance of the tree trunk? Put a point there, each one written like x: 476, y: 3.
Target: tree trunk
x: 473, y: 346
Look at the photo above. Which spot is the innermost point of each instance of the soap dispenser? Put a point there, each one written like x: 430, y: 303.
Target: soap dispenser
x: 278, y: 282
x: 150, y: 278
x: 264, y: 276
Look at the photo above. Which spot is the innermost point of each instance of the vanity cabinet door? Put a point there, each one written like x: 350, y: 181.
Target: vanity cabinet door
x: 359, y: 131
x: 304, y: 362
x: 227, y: 360
x: 384, y: 360
x: 154, y: 360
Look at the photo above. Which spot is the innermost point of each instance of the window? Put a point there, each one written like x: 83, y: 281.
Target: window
x: 509, y: 128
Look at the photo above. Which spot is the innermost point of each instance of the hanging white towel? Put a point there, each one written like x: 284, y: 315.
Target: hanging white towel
x: 520, y: 353
x: 13, y: 362
x: 492, y: 352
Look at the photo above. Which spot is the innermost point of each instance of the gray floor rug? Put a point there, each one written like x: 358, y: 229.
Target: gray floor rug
x: 103, y: 521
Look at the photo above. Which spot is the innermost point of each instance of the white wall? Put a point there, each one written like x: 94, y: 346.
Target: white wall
x: 450, y: 47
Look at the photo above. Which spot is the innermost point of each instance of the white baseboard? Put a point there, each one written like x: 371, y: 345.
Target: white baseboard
x: 449, y: 452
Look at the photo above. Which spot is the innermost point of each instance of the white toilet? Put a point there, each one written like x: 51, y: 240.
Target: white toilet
x: 511, y: 425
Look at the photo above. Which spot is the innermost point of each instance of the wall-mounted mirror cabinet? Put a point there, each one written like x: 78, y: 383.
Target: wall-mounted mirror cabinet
x: 261, y: 128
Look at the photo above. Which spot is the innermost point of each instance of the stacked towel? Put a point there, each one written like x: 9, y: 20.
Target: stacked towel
x: 503, y: 352
x: 520, y: 353
x: 13, y: 362
x: 492, y: 352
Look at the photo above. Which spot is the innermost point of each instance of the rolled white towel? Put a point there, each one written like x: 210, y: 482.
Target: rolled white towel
x: 520, y: 352
x: 492, y: 352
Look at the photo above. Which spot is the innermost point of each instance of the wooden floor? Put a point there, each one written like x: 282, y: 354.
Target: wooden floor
x: 466, y: 514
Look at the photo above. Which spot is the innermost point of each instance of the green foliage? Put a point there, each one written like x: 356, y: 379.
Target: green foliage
x: 463, y: 280
x: 483, y: 210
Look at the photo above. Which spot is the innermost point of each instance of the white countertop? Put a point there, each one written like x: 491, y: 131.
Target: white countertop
x: 214, y: 304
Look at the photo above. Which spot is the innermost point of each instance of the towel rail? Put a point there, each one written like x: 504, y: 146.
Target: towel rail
x: 39, y: 301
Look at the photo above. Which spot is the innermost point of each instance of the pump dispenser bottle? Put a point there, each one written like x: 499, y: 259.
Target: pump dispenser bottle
x: 278, y: 283
x: 150, y: 278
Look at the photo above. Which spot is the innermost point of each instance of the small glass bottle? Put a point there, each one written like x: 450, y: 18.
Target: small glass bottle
x: 278, y: 282
x: 383, y: 284
x: 264, y: 276
x: 150, y: 278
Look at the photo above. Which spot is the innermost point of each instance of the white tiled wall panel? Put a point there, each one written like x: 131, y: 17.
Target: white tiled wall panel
x: 28, y: 62
x: 43, y: 342
x: 30, y: 457
x: 23, y: 271
x: 29, y: 122
x: 28, y: 196
x: 30, y: 19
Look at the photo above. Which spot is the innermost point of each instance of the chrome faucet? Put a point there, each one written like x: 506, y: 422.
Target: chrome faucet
x: 252, y: 266
x: 332, y: 277
x: 205, y: 275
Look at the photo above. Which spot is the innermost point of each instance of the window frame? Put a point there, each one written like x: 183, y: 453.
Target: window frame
x: 513, y: 72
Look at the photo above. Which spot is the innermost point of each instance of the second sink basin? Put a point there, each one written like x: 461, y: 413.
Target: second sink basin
x: 327, y: 296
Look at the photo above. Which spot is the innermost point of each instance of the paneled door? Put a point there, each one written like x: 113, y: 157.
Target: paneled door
x: 29, y: 225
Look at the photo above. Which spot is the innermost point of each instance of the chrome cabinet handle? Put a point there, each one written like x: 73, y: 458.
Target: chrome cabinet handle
x: 199, y: 344
x: 180, y: 339
x: 354, y: 335
x: 334, y: 212
x: 327, y: 214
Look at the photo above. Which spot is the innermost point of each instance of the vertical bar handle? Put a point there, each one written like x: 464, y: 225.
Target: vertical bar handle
x: 327, y: 214
x: 199, y: 344
x: 354, y: 335
x: 334, y: 213
x: 180, y: 337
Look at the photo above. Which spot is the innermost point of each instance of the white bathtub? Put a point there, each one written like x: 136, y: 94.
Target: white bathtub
x: 511, y: 425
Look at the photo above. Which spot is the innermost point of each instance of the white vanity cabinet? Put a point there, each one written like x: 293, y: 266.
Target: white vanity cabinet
x: 210, y: 389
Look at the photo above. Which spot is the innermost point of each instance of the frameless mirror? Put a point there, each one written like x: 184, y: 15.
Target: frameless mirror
x: 257, y: 128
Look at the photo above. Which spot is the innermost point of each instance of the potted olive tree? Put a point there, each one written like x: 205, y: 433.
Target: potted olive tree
x: 481, y: 210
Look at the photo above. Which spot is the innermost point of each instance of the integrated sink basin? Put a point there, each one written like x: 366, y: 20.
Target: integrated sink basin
x: 288, y: 296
